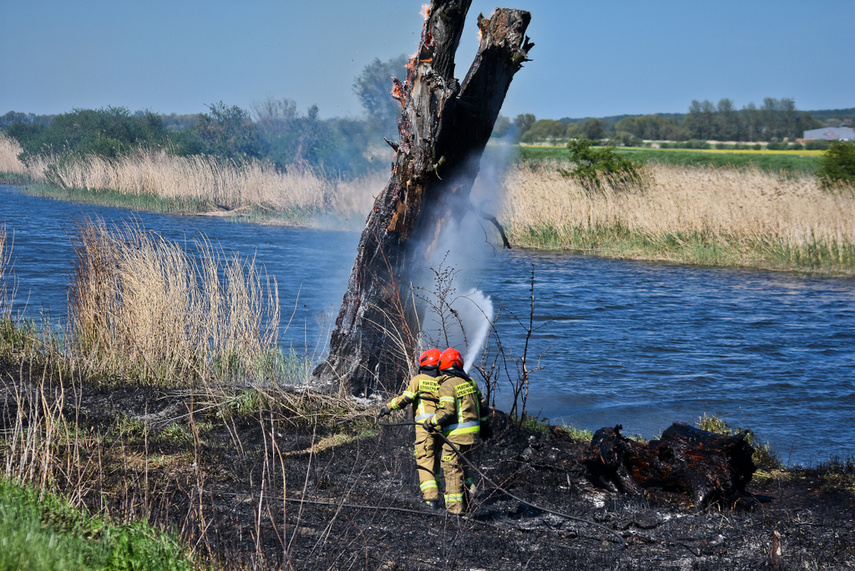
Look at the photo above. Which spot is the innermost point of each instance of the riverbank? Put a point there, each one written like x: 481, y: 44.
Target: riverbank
x: 254, y: 478
x: 711, y: 216
x: 687, y: 215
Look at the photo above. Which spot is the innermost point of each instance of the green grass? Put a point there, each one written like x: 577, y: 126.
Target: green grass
x: 693, y: 249
x: 772, y: 161
x: 41, y: 533
x: 13, y: 178
x: 148, y: 203
x: 763, y: 455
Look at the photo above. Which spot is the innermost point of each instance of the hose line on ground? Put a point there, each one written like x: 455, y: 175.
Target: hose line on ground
x: 500, y: 488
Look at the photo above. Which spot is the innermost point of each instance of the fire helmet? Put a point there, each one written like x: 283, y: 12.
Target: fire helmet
x: 450, y: 358
x: 429, y: 359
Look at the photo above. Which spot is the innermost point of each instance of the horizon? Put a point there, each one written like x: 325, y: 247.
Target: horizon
x: 589, y: 60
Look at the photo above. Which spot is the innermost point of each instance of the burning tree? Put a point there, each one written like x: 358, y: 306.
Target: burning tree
x: 443, y: 129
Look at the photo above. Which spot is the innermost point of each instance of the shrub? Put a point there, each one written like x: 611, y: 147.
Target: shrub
x: 818, y: 145
x: 592, y: 165
x: 838, y: 164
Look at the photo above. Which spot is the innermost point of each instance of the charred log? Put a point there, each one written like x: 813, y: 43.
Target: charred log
x: 711, y: 467
x: 443, y: 129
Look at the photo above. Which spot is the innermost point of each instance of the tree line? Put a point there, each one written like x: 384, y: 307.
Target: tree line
x: 776, y: 120
x: 272, y: 130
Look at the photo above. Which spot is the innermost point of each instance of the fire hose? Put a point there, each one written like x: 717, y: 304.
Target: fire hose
x: 497, y: 486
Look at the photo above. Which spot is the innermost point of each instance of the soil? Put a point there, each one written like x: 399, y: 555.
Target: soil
x: 349, y: 498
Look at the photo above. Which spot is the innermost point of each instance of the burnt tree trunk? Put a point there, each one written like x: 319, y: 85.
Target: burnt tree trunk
x: 710, y: 467
x: 443, y: 129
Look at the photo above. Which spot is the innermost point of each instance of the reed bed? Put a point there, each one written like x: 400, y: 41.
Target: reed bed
x: 204, y: 183
x: 713, y: 216
x: 9, y: 161
x: 143, y: 308
x: 5, y: 256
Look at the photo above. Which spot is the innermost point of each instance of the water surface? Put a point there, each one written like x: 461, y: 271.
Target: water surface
x: 618, y: 342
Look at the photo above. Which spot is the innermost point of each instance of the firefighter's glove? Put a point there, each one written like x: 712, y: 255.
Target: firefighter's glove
x: 384, y: 411
x: 428, y: 426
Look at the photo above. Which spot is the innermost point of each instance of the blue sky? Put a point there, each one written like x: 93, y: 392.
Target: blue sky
x: 591, y: 59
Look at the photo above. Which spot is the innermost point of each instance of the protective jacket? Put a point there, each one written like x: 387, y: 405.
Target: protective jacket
x: 460, y: 410
x: 422, y: 393
x: 459, y: 416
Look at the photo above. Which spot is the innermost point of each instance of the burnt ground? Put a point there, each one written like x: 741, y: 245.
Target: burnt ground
x: 349, y: 496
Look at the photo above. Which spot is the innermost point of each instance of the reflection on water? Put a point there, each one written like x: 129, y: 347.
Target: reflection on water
x: 631, y: 343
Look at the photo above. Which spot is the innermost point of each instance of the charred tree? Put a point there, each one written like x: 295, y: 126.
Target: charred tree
x: 443, y: 129
x: 711, y: 467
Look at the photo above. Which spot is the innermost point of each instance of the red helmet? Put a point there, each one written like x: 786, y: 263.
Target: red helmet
x: 429, y: 358
x: 450, y: 358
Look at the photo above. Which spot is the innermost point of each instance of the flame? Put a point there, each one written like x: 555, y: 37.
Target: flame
x: 425, y: 11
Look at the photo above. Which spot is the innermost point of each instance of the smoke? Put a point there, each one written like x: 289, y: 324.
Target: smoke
x: 456, y: 312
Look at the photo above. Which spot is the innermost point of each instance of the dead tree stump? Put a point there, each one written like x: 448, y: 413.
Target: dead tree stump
x: 711, y: 467
x: 444, y: 127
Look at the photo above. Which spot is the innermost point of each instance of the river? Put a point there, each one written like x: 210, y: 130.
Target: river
x: 617, y: 342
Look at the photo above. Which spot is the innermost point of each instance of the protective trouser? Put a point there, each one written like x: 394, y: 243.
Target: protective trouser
x: 427, y: 463
x: 458, y: 478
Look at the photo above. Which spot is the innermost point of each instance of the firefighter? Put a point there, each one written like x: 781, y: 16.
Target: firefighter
x: 459, y: 415
x: 422, y: 393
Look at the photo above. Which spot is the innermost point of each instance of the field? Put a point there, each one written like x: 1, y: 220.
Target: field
x: 772, y: 161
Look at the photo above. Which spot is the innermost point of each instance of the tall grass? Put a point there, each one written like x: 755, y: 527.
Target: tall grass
x: 9, y: 162
x: 205, y: 184
x: 144, y: 308
x: 743, y: 217
x: 5, y: 256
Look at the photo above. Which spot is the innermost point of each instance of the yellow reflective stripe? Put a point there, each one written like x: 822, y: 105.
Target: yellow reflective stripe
x: 409, y: 394
x: 429, y: 484
x: 467, y: 430
x: 462, y: 425
x: 446, y: 399
x: 453, y: 498
x: 422, y: 417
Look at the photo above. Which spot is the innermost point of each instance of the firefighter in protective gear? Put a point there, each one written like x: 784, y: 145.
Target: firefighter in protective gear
x: 422, y: 394
x: 459, y: 414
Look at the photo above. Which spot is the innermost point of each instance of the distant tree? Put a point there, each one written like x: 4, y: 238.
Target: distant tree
x: 572, y: 131
x: 523, y: 122
x: 727, y: 123
x: 593, y: 129
x: 502, y: 127
x: 544, y: 130
x: 225, y: 132
x: 752, y: 123
x: 650, y: 127
x: 108, y: 132
x: 373, y: 87
x: 700, y: 122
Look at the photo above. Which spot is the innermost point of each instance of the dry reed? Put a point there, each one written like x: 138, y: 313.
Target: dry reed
x: 144, y: 308
x: 208, y: 182
x: 5, y: 256
x: 748, y: 215
x: 9, y: 151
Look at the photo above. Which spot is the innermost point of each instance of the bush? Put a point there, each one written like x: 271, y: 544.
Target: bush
x: 592, y: 166
x: 838, y: 164
x: 109, y: 132
x: 818, y: 145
